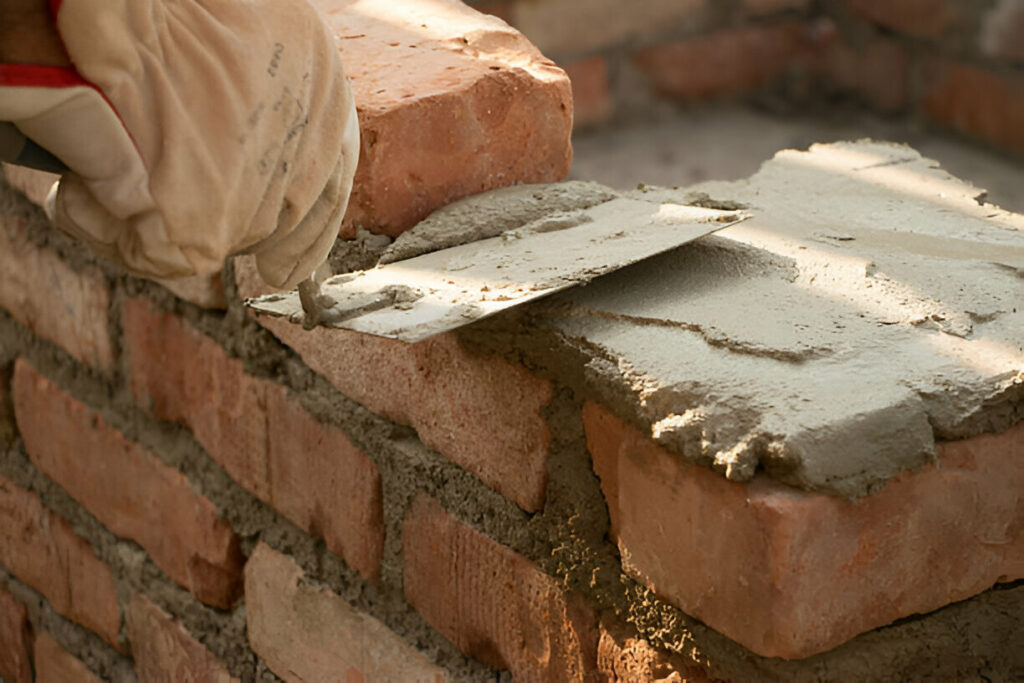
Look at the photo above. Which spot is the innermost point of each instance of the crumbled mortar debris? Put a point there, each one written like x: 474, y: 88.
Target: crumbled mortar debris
x: 871, y: 306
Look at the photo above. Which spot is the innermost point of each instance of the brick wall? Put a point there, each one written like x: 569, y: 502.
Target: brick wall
x: 956, y: 64
x: 187, y: 493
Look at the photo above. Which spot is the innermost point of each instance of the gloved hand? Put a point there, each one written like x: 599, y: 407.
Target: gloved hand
x: 193, y: 130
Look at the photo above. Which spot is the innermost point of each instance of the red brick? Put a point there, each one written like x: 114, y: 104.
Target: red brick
x: 879, y: 72
x: 724, y: 63
x: 54, y: 664
x: 259, y: 433
x: 977, y: 103
x: 305, y: 633
x: 494, y: 604
x: 569, y: 27
x: 592, y: 100
x: 624, y: 657
x: 921, y: 18
x: 1001, y: 31
x: 40, y: 549
x: 46, y: 295
x: 165, y: 651
x: 128, y: 489
x: 15, y: 641
x: 448, y: 101
x: 479, y: 411
x: 789, y: 573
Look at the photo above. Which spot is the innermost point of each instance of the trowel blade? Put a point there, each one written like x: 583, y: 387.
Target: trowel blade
x: 417, y: 298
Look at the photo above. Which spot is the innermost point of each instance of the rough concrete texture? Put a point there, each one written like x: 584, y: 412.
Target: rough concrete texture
x: 871, y: 306
x: 432, y: 81
x: 306, y: 633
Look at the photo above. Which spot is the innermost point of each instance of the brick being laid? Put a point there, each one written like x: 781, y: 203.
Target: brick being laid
x: 812, y: 420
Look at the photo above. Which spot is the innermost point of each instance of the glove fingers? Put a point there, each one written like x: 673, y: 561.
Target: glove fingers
x: 138, y: 242
x: 306, y: 246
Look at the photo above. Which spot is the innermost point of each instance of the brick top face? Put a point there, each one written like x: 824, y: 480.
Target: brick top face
x: 869, y: 306
x: 451, y: 102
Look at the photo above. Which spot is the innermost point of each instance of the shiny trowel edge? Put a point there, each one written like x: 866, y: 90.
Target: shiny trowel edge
x: 439, y: 291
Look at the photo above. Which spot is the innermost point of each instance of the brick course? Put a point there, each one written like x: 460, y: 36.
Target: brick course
x: 53, y: 300
x: 976, y: 102
x: 310, y: 634
x: 40, y: 549
x: 164, y: 651
x: 790, y: 574
x: 128, y: 489
x: 494, y: 604
x: 259, y: 433
x: 54, y: 664
x: 489, y: 420
x: 724, y: 63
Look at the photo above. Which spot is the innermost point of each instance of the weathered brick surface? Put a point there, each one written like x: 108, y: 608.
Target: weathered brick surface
x: 40, y: 549
x: 15, y: 641
x: 976, y: 102
x: 723, y: 63
x: 164, y: 651
x: 259, y: 433
x: 128, y: 489
x: 46, y: 295
x: 788, y: 573
x: 590, y: 92
x: 570, y: 27
x: 493, y: 603
x: 481, y: 412
x: 54, y: 664
x: 434, y: 81
x: 922, y: 18
x: 304, y: 633
x: 624, y: 657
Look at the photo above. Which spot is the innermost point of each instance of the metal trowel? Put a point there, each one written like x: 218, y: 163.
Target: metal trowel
x: 419, y: 297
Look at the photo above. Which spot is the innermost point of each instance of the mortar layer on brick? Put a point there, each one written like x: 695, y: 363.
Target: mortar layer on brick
x: 481, y: 412
x: 451, y: 102
x: 259, y: 433
x: 790, y: 574
x: 54, y: 664
x: 493, y: 603
x: 40, y: 549
x: 307, y: 633
x: 870, y: 306
x: 128, y: 489
x: 164, y: 651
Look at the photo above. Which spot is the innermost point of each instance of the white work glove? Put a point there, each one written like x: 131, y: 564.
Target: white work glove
x: 193, y: 130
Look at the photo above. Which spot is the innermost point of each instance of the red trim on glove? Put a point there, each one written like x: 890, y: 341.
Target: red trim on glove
x: 31, y: 75
x: 55, y: 7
